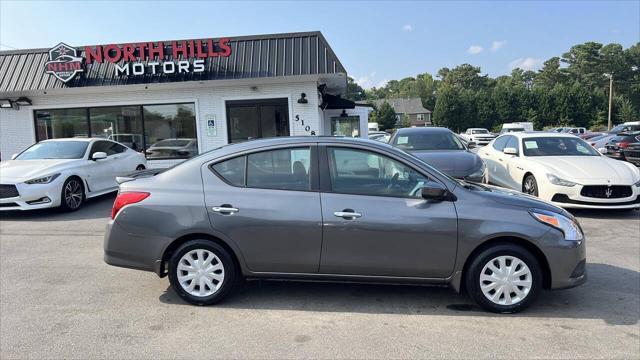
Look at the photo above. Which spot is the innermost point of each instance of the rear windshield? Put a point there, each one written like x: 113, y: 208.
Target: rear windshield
x: 481, y: 131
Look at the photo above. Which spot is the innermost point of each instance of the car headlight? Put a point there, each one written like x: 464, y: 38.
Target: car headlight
x: 42, y: 180
x: 637, y: 184
x: 558, y: 181
x: 569, y: 227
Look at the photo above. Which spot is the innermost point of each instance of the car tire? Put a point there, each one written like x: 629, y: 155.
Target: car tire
x: 140, y: 167
x: 202, y: 272
x: 530, y: 185
x: 72, y: 195
x: 487, y: 284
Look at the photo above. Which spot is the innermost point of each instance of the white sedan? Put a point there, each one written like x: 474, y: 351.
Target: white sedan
x: 64, y: 173
x: 563, y: 169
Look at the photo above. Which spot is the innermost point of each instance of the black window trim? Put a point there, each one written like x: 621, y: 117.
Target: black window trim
x: 140, y: 106
x: 314, y: 176
x: 325, y: 175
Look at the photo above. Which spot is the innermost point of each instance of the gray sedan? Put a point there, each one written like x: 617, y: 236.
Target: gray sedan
x: 339, y: 209
x: 443, y: 149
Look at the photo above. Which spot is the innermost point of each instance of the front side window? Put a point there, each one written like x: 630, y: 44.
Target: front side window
x: 512, y: 143
x: 363, y: 172
x: 557, y: 146
x: 500, y: 143
x: 283, y: 169
x: 55, y: 150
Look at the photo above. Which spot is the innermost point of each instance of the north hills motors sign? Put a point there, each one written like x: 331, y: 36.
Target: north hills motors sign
x: 137, y: 59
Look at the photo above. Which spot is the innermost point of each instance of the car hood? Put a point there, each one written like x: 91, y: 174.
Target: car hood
x: 14, y: 171
x: 456, y: 163
x: 589, y: 168
x: 516, y: 198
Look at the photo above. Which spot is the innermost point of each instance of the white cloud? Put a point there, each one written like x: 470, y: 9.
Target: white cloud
x: 475, y: 49
x: 497, y: 45
x: 369, y: 81
x: 528, y: 63
x: 407, y: 28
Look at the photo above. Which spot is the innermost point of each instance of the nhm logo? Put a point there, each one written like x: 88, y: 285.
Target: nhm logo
x: 64, y: 62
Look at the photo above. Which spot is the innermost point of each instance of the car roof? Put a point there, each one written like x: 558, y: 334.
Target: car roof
x: 533, y: 134
x: 85, y: 139
x: 423, y: 130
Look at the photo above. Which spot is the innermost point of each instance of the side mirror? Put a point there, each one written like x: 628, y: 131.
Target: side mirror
x: 14, y: 156
x: 471, y: 144
x: 510, y: 151
x: 602, y: 150
x: 435, y: 191
x: 99, y: 156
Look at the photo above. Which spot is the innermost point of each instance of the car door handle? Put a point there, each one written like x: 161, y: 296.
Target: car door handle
x: 347, y: 214
x: 500, y: 159
x: 225, y: 210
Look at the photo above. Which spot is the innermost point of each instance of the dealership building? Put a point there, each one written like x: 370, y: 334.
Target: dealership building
x: 174, y: 99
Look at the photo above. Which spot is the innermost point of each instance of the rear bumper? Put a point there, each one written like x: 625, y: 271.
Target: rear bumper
x: 131, y: 251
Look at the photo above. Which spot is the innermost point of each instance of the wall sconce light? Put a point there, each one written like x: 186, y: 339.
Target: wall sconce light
x: 344, y: 113
x: 254, y: 88
x: 23, y: 101
x: 303, y: 99
x: 6, y: 104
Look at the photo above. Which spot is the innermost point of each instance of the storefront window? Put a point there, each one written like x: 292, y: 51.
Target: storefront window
x: 61, y: 123
x: 119, y: 123
x: 170, y: 131
x: 345, y: 126
x: 165, y: 131
x: 252, y: 119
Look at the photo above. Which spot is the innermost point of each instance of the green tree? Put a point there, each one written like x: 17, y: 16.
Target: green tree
x: 627, y: 111
x: 386, y: 116
x: 354, y: 91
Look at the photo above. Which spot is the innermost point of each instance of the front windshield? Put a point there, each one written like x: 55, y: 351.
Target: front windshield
x: 428, y: 141
x: 55, y: 150
x: 557, y: 146
x: 480, y: 131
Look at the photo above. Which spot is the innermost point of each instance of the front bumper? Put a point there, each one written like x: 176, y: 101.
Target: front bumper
x: 570, y: 197
x: 567, y: 260
x: 34, y: 196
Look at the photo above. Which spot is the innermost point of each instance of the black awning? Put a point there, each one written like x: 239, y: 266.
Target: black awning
x: 336, y: 102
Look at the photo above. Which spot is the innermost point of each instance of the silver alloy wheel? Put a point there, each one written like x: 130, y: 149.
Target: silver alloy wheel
x: 73, y: 194
x: 505, y: 280
x: 200, y: 272
x: 530, y: 186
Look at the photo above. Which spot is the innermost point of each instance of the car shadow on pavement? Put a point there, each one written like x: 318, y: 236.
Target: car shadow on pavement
x: 94, y: 208
x: 610, y: 294
x: 606, y: 214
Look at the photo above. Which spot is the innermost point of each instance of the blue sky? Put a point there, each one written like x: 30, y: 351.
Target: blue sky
x: 375, y: 40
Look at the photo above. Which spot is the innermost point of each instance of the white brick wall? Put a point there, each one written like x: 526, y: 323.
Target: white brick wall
x: 17, y: 127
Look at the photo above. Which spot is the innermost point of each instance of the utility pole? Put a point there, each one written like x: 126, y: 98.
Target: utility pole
x: 610, y: 99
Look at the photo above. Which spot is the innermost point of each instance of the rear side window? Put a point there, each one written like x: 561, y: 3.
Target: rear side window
x: 233, y: 170
x: 500, y: 143
x: 283, y: 169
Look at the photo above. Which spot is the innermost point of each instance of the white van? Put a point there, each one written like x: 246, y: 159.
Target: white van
x: 516, y: 127
x: 374, y: 126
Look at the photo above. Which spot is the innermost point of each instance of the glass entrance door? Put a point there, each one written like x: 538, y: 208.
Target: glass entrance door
x: 252, y: 119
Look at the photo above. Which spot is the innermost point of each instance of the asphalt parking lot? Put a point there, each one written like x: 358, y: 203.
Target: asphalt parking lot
x: 58, y: 299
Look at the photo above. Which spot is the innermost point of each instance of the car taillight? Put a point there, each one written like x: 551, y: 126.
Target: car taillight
x: 125, y: 198
x: 623, y: 144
